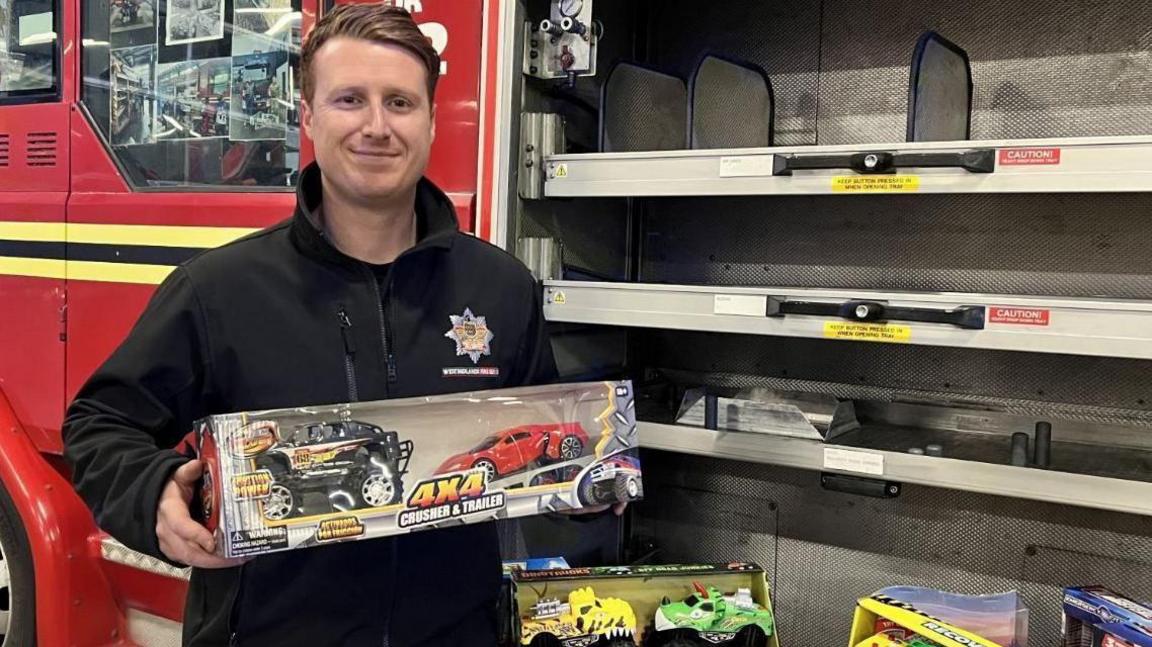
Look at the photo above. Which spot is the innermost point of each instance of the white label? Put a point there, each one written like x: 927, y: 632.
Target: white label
x: 745, y: 305
x: 746, y: 166
x: 850, y: 461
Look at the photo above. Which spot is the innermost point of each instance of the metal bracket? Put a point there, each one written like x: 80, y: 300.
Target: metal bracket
x: 541, y: 135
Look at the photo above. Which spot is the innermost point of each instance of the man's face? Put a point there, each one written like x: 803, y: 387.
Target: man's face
x: 370, y: 119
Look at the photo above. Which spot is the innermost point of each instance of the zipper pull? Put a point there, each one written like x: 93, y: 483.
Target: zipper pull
x: 391, y: 368
x: 346, y: 331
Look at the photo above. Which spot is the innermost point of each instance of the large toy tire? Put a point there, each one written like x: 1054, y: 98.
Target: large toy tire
x: 280, y: 504
x: 17, y: 579
x: 545, y: 640
x: 627, y: 487
x: 750, y: 636
x: 376, y: 490
x: 672, y: 638
x: 587, y: 493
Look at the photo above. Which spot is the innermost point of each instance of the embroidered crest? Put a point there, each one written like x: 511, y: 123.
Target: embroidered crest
x: 471, y: 335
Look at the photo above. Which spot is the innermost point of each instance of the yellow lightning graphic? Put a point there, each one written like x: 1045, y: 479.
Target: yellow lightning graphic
x: 608, y: 431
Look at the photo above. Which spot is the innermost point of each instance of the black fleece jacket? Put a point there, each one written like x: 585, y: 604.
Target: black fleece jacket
x: 282, y: 318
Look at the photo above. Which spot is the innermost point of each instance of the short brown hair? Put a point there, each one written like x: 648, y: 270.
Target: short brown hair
x: 378, y: 23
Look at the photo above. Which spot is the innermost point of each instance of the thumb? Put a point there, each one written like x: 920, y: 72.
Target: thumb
x: 188, y: 473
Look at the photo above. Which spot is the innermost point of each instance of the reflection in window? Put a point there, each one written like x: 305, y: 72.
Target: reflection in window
x: 27, y: 48
x: 196, y: 92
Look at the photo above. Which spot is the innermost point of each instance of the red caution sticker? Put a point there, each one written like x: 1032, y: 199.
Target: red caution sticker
x: 1029, y: 156
x: 1019, y: 316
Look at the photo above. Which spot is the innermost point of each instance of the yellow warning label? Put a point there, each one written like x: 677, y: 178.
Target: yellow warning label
x: 875, y: 183
x: 561, y: 170
x: 559, y: 298
x: 866, y: 331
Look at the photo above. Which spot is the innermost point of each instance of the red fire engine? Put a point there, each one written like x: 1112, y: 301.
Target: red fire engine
x: 132, y: 135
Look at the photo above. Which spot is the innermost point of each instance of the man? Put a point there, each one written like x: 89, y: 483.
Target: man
x: 348, y: 300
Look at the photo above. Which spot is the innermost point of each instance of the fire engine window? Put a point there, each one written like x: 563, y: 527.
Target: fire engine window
x: 28, y: 56
x: 194, y: 94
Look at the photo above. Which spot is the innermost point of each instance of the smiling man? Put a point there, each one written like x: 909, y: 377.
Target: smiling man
x: 368, y: 292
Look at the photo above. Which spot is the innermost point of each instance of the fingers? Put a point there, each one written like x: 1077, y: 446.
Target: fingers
x: 619, y: 508
x: 188, y: 473
x: 192, y: 554
x: 173, y: 516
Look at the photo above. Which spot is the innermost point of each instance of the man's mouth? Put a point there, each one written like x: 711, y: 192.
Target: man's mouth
x: 375, y: 154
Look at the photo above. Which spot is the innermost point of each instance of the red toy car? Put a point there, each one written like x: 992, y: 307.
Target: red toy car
x: 511, y: 450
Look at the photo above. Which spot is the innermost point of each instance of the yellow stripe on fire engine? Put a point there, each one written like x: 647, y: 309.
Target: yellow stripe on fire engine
x: 118, y: 272
x: 154, y: 235
x: 47, y: 232
x: 46, y: 268
x: 99, y: 234
x: 52, y: 268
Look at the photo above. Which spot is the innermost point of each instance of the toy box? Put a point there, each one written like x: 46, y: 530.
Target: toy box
x: 657, y: 606
x: 294, y: 478
x: 906, y: 616
x: 1098, y: 617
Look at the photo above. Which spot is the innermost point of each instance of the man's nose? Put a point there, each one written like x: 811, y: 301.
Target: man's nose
x: 376, y: 123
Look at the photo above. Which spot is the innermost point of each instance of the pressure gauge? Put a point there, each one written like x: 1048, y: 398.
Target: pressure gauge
x: 571, y: 8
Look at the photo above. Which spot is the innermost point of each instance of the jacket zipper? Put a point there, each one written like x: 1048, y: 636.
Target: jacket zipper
x: 390, y: 361
x: 349, y: 353
x: 385, y: 333
x: 233, y: 634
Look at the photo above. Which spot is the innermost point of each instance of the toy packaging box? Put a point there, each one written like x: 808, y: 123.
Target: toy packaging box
x: 726, y: 605
x: 293, y: 478
x: 909, y: 616
x: 1095, y: 616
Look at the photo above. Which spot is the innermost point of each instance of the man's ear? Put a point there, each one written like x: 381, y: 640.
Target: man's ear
x: 306, y: 117
x: 433, y: 122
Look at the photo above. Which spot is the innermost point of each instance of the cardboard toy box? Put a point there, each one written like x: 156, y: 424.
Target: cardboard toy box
x: 725, y: 605
x: 919, y: 617
x: 1095, y: 616
x: 293, y: 478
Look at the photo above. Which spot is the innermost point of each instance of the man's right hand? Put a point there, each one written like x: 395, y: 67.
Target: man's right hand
x: 182, y: 539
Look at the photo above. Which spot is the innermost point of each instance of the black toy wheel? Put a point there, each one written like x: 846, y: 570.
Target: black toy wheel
x: 750, y: 636
x: 545, y: 640
x: 627, y: 487
x: 17, y: 581
x: 587, y: 493
x: 672, y: 638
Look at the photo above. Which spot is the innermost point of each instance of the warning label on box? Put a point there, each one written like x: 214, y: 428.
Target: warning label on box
x: 1018, y: 316
x: 250, y: 542
x: 1029, y: 156
x: 867, y: 331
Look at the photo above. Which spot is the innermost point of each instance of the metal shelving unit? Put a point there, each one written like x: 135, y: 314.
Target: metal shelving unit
x: 1066, y: 165
x: 1035, y: 484
x: 1095, y: 327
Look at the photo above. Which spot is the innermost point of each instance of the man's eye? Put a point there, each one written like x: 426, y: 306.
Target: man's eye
x: 400, y: 102
x: 348, y: 100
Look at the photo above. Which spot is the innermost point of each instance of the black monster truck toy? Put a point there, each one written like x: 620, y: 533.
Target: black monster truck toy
x: 358, y: 465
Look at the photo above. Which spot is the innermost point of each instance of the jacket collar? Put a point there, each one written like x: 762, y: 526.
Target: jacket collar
x: 436, y: 223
